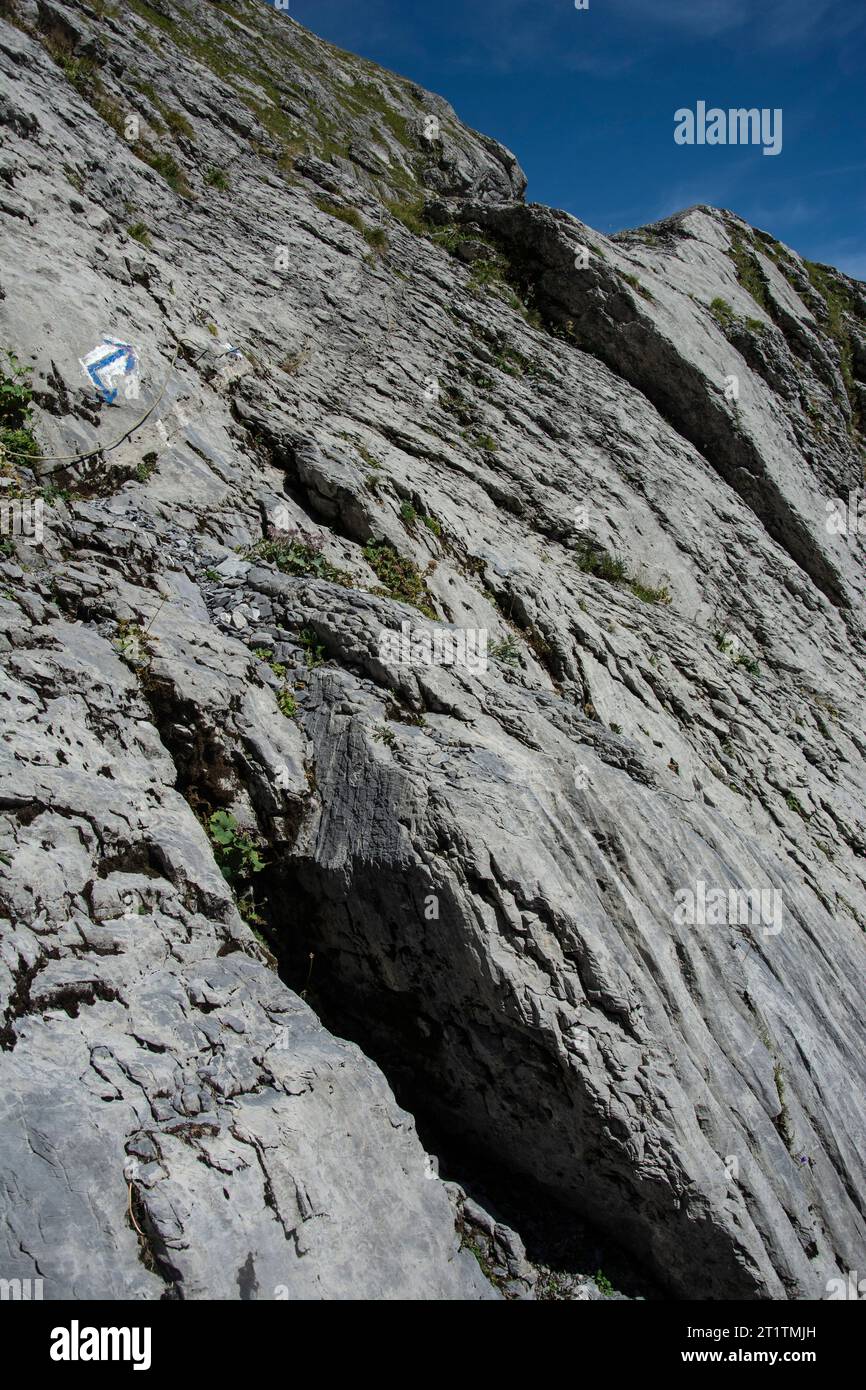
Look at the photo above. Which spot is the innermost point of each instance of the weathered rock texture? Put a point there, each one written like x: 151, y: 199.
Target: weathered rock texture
x: 350, y: 325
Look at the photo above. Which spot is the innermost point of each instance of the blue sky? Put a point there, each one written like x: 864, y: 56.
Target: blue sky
x: 586, y: 100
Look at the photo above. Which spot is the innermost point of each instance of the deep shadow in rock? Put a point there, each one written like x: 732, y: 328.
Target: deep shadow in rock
x: 393, y: 1029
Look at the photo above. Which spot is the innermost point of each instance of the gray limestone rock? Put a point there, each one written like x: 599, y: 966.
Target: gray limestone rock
x: 595, y: 902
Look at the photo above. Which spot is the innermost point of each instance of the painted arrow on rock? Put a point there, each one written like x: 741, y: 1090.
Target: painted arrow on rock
x: 110, y: 359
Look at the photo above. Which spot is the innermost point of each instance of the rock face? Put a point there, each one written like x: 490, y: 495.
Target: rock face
x: 378, y: 389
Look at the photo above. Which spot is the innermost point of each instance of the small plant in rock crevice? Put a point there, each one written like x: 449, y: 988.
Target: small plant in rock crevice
x: 399, y: 576
x: 722, y: 312
x: 376, y: 237
x: 235, y: 851
x: 470, y: 1243
x: 649, y: 593
x: 482, y: 441
x: 168, y: 168
x: 603, y: 1284
x: 748, y: 268
x: 264, y: 654
x: 177, y: 123
x: 239, y: 859
x: 369, y: 458
x: 132, y: 645
x: 144, y: 469
x: 782, y: 1121
x: 287, y: 702
x: 793, y: 804
x: 314, y: 652
x: 729, y: 644
x: 16, y: 412
x: 507, y: 652
x: 216, y: 178
x: 139, y: 232
x: 600, y: 563
x: 637, y: 286
x: 730, y: 322
x: 410, y: 212
x: 595, y: 560
x: 291, y: 365
x: 296, y: 553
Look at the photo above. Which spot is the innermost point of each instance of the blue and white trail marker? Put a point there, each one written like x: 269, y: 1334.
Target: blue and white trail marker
x: 110, y: 362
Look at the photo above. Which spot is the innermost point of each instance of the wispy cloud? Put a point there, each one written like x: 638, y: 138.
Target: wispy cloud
x: 794, y: 212
x: 517, y: 35
x: 608, y: 39
x: 837, y: 171
x: 705, y: 19
x: 773, y: 23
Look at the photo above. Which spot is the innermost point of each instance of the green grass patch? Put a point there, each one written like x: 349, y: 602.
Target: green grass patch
x: 177, y: 122
x: 722, y: 312
x: 749, y: 272
x: 410, y: 212
x: 636, y: 285
x: 793, y: 804
x: 365, y: 97
x: 597, y: 561
x: 399, y: 576
x: 838, y: 303
x: 216, y: 178
x: 647, y: 593
x: 482, y: 441
x: 726, y: 318
x: 139, y: 232
x: 168, y: 168
x: 374, y: 236
x: 453, y: 400
x: 145, y: 469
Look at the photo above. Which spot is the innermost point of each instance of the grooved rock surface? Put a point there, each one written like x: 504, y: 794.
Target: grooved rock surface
x: 174, y: 1121
x: 377, y: 388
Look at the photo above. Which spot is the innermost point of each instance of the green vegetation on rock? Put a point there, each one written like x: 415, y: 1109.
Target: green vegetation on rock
x: 399, y: 576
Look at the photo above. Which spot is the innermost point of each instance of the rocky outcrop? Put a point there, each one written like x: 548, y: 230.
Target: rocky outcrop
x: 377, y: 389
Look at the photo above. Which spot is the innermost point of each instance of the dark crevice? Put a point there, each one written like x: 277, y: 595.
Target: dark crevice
x: 20, y: 1004
x: 487, y: 1092
x: 152, y: 1250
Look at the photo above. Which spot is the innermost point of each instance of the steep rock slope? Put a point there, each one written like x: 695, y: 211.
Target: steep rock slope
x: 377, y: 388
